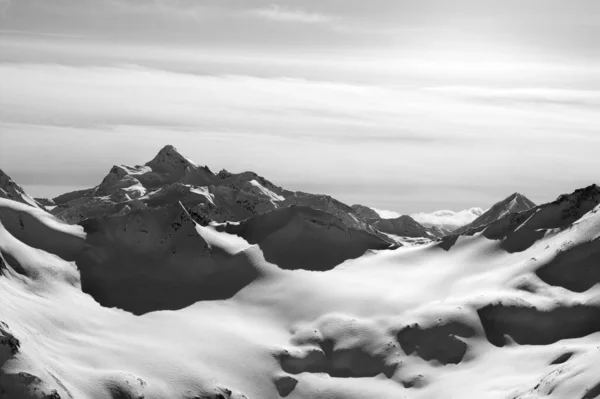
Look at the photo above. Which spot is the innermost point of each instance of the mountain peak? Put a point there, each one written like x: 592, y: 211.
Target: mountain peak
x: 403, y: 225
x: 11, y: 190
x: 170, y: 158
x: 514, y: 203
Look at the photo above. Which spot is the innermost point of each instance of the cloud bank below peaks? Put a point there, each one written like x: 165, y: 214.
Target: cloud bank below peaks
x: 448, y: 219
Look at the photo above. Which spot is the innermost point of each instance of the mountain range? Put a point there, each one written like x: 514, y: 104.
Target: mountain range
x: 171, y: 177
x: 167, y: 280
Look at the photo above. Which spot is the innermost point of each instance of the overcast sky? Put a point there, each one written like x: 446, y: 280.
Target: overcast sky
x: 402, y: 105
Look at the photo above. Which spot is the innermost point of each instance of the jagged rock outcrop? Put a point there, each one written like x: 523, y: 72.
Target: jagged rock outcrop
x: 168, y: 178
x: 366, y: 213
x: 403, y: 226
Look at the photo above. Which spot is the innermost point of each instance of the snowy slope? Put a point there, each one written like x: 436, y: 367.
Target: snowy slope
x: 474, y: 316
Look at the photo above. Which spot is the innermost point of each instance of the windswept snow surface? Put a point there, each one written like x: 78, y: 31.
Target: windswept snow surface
x: 484, y: 315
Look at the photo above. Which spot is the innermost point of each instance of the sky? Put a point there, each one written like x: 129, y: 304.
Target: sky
x: 407, y: 106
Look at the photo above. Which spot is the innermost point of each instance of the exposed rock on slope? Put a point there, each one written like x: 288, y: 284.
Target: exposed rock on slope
x: 300, y: 237
x: 11, y: 190
x: 366, y: 213
x: 154, y: 259
x: 437, y: 232
x: 404, y: 226
x: 398, y: 226
x: 514, y: 203
x: 518, y: 231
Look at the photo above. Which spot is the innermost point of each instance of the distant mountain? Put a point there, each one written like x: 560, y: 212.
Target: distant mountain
x: 403, y: 226
x: 365, y: 212
x: 446, y: 219
x: 171, y: 178
x: 514, y: 203
x: 301, y: 237
x: 519, y: 230
x: 11, y: 190
x: 437, y: 232
x: 168, y: 178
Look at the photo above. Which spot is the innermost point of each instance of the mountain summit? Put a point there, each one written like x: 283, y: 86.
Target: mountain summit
x: 11, y: 190
x: 514, y: 203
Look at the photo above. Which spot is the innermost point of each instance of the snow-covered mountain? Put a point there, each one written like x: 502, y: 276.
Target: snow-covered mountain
x: 11, y: 190
x: 168, y: 287
x: 517, y: 305
x: 404, y: 226
x: 171, y: 177
x: 365, y: 212
x: 398, y: 225
x: 514, y: 203
x: 168, y: 178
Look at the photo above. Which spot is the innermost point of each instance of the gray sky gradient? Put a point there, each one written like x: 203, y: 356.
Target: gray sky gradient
x: 401, y: 105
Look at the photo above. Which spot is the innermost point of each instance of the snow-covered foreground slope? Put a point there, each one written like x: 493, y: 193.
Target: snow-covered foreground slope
x: 472, y: 316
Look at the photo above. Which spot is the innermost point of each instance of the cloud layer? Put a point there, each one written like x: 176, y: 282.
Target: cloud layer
x: 447, y: 219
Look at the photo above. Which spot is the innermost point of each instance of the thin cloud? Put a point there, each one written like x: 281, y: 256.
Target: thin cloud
x: 284, y: 14
x: 15, y: 32
x: 448, y: 219
x: 532, y: 96
x: 384, y: 214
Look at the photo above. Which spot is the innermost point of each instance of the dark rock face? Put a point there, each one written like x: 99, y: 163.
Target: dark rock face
x: 9, y: 344
x: 285, y: 385
x: 321, y: 240
x: 577, y: 269
x: 439, y: 342
x: 404, y: 226
x: 9, y: 189
x: 366, y: 213
x: 340, y: 363
x: 562, y: 358
x: 593, y: 392
x: 532, y: 326
x: 155, y: 259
